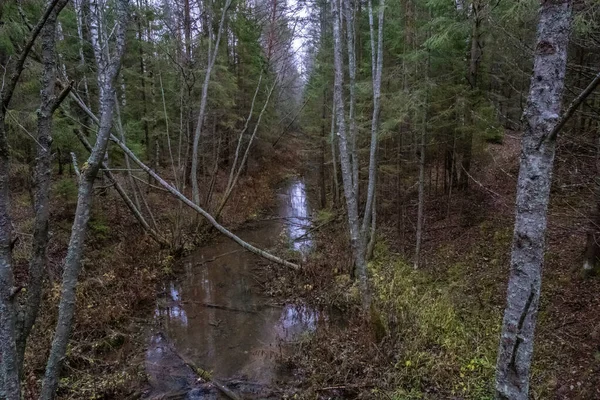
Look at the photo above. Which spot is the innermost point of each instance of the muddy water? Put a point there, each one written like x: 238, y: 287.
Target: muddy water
x: 215, y: 316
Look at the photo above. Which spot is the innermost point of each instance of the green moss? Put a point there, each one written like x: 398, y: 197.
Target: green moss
x: 441, y: 340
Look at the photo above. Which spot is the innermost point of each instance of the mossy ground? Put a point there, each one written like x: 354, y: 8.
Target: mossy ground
x: 437, y: 327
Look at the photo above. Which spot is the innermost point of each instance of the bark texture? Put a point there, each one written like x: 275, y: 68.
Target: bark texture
x: 533, y: 191
x: 9, y: 367
x: 42, y: 181
x: 108, y: 69
x: 345, y: 146
x: 377, y: 70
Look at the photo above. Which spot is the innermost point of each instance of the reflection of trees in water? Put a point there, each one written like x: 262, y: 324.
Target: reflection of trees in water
x: 226, y: 339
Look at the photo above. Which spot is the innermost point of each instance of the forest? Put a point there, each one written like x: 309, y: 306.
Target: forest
x: 300, y: 199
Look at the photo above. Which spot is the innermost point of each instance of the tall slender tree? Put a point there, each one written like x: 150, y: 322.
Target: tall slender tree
x: 108, y: 70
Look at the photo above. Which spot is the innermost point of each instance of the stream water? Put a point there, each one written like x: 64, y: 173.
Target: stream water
x: 215, y: 317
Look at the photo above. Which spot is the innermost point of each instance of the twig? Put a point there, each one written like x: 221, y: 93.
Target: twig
x: 571, y: 110
x: 219, y: 256
x: 63, y: 95
x: 75, y: 167
x: 149, y: 184
x: 25, y: 130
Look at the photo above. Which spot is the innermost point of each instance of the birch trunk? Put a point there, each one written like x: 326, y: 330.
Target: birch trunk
x: 203, y: 100
x: 107, y: 74
x: 346, y: 162
x: 533, y: 191
x: 377, y: 70
x: 348, y: 12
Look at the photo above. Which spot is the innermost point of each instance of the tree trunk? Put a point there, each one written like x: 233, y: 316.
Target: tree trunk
x: 42, y: 181
x: 201, y: 115
x: 421, y: 206
x: 9, y: 368
x: 323, y: 141
x: 377, y: 70
x: 472, y: 78
x: 336, y: 182
x: 350, y: 190
x: 107, y: 73
x: 348, y: 13
x: 533, y: 192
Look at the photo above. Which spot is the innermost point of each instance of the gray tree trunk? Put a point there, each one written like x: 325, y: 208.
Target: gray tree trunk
x: 350, y: 190
x: 9, y: 368
x: 348, y: 12
x: 377, y: 69
x: 201, y: 115
x: 42, y: 181
x: 533, y: 191
x: 336, y: 183
x: 107, y: 73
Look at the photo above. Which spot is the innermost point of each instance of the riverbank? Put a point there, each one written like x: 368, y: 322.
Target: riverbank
x: 122, y: 267
x: 439, y: 325
x: 214, y: 315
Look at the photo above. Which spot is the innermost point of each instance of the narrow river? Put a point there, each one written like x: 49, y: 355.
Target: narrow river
x: 215, y: 316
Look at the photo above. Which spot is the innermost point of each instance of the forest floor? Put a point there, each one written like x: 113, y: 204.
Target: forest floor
x: 437, y: 328
x: 121, y: 271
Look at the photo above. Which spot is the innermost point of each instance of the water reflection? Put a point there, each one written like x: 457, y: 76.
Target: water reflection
x: 216, y: 316
x: 171, y: 307
x: 298, y: 217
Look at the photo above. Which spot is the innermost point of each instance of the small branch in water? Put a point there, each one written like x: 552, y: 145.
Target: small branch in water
x: 219, y: 256
x: 200, y: 372
x: 220, y: 307
x: 311, y: 230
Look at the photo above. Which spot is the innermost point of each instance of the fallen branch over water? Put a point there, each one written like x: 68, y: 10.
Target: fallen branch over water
x: 177, y: 194
x: 200, y: 210
x: 199, y: 372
